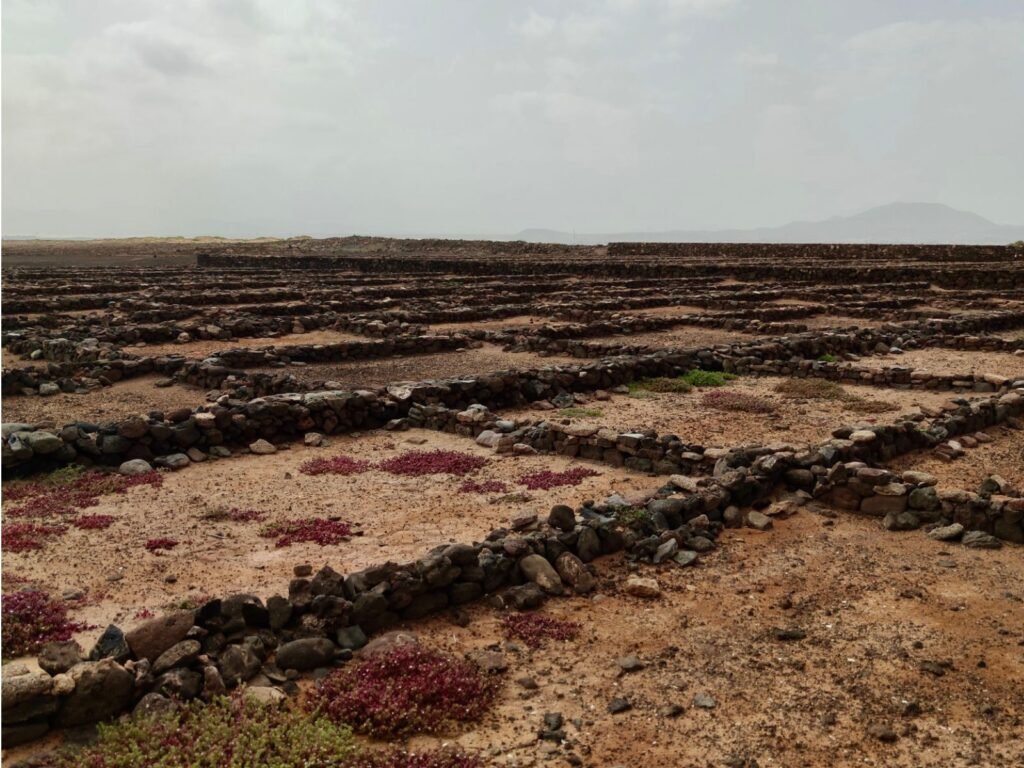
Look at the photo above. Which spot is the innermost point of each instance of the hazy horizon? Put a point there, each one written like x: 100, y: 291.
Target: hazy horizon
x: 254, y: 117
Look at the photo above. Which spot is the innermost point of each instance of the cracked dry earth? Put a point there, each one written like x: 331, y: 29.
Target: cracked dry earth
x: 913, y: 656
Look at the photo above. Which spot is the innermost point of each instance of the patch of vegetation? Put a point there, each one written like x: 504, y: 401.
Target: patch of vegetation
x: 581, y: 413
x: 546, y: 480
x: 227, y: 733
x: 632, y: 517
x: 535, y: 629
x: 485, y: 486
x: 31, y: 619
x: 94, y: 522
x: 68, y: 490
x: 863, y: 405
x: 318, y: 530
x: 25, y: 537
x: 823, y: 389
x: 699, y: 378
x: 441, y: 758
x: 828, y: 357
x: 728, y: 400
x: 64, y: 475
x: 409, y: 689
x: 813, y: 389
x: 417, y: 463
x: 661, y: 384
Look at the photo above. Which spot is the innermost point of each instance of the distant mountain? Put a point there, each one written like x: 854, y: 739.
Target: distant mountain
x: 893, y: 223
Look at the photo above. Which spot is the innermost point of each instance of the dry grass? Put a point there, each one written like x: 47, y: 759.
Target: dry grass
x: 823, y: 389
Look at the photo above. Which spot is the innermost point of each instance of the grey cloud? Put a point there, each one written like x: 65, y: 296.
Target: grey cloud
x: 324, y: 117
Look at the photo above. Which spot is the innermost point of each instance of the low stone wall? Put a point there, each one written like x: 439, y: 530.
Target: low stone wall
x: 326, y: 616
x: 339, y: 351
x: 668, y: 455
x: 237, y: 422
x: 909, y: 500
x: 950, y: 266
x: 79, y: 377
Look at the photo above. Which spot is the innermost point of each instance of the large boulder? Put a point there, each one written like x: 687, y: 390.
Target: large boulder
x: 28, y: 694
x: 152, y: 638
x: 306, y: 653
x: 102, y: 689
x: 43, y: 443
x: 58, y: 657
x: 538, y: 570
x: 135, y: 467
x: 575, y: 573
x: 178, y: 655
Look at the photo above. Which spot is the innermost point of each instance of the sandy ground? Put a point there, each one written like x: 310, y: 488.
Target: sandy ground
x: 795, y: 421
x: 490, y: 325
x: 670, y: 311
x: 681, y: 336
x: 838, y: 321
x: 207, y: 347
x: 401, y: 519
x: 70, y: 313
x: 113, y: 403
x: 874, y: 606
x: 440, y: 365
x: 10, y: 360
x: 1004, y: 457
x: 946, y: 361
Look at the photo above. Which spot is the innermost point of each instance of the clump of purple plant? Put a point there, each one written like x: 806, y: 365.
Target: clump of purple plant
x: 417, y: 463
x: 409, y: 689
x: 64, y: 497
x: 338, y: 465
x: 161, y: 544
x: 93, y: 522
x: 486, y: 486
x: 731, y: 400
x: 31, y: 619
x: 318, y: 530
x: 535, y: 629
x: 545, y: 480
x: 24, y: 537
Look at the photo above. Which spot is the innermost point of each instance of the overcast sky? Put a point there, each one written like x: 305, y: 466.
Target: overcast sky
x: 253, y: 117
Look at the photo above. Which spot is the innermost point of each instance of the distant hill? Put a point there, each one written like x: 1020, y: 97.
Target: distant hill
x: 893, y: 223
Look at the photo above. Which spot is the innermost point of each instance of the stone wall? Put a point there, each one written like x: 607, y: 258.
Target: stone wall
x: 234, y: 421
x: 326, y: 616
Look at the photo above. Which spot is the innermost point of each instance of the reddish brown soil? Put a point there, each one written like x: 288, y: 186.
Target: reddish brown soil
x: 207, y: 347
x: 1004, y: 457
x: 113, y: 403
x: 874, y: 606
x: 837, y: 321
x: 401, y: 519
x: 952, y: 361
x: 795, y: 421
x: 489, y: 325
x: 378, y: 373
x: 671, y: 311
x: 681, y: 336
